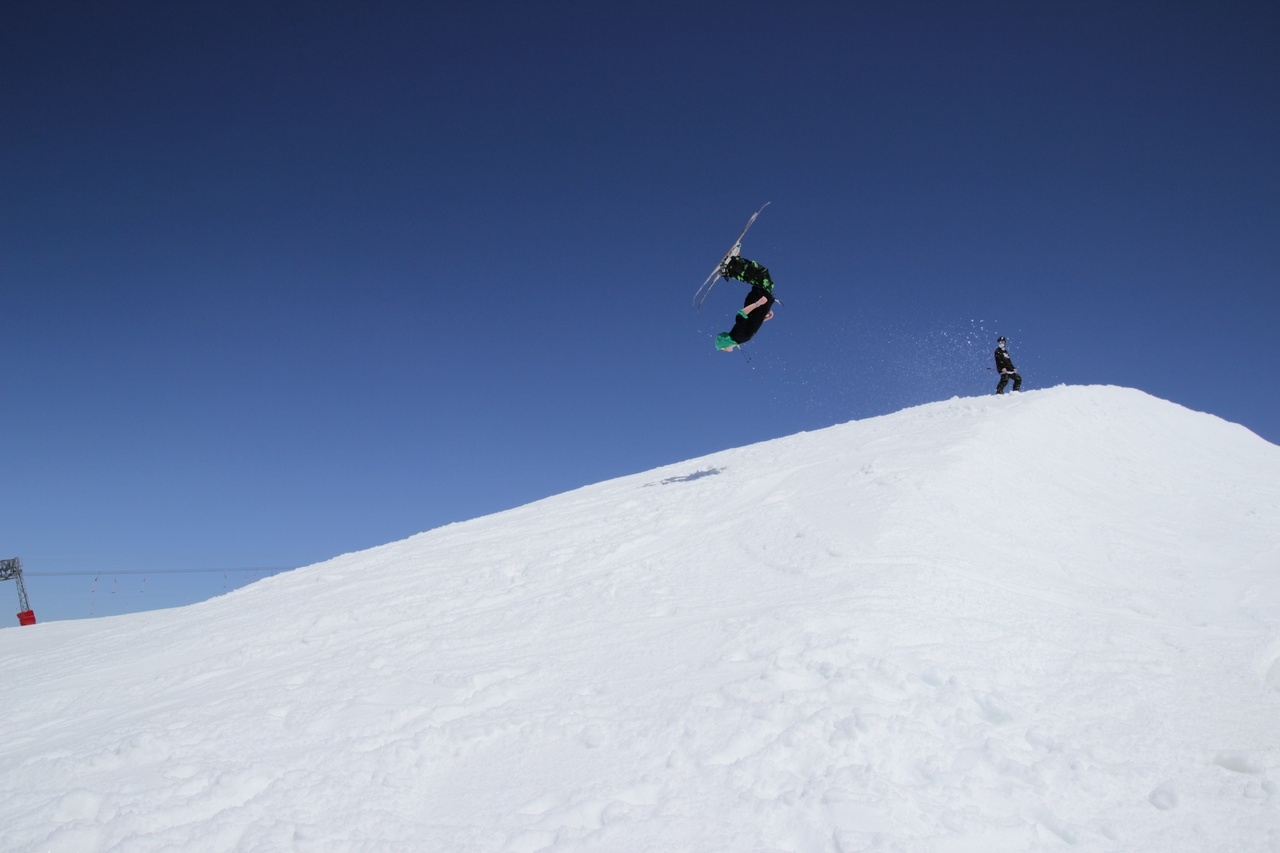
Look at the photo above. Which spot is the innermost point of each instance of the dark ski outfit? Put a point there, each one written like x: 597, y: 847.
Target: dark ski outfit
x: 1004, y: 364
x: 754, y: 312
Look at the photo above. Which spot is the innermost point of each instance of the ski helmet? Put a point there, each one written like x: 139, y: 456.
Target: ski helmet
x: 1001, y: 340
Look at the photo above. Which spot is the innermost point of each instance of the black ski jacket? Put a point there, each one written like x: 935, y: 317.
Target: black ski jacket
x: 745, y: 328
x: 1004, y: 363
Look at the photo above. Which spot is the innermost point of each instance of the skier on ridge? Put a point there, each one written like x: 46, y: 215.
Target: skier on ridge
x: 1004, y: 364
x: 756, y: 308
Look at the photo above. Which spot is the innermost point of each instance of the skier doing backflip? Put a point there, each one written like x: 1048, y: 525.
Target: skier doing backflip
x: 756, y: 308
x: 1004, y: 364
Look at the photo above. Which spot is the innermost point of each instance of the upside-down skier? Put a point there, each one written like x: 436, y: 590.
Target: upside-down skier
x: 756, y: 308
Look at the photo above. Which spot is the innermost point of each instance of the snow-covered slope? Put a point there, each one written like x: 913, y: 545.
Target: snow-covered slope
x: 1020, y: 623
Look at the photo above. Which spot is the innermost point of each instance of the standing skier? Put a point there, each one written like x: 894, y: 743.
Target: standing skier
x: 1004, y: 364
x: 756, y: 308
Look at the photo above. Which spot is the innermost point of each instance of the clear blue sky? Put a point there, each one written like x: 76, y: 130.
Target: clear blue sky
x: 286, y: 280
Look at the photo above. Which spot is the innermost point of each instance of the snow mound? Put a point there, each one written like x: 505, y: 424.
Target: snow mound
x: 1007, y: 623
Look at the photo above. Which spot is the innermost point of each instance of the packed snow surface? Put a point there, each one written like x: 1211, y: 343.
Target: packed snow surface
x: 1045, y: 621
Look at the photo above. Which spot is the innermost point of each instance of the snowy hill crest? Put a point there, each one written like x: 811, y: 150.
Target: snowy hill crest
x: 1024, y: 623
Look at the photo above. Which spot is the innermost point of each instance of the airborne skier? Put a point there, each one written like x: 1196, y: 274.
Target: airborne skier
x: 758, y: 305
x: 756, y: 308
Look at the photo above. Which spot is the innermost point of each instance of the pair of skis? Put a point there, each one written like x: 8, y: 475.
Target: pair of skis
x: 701, y: 295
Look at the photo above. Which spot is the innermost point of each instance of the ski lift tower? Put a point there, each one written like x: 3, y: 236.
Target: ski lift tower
x: 11, y: 570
